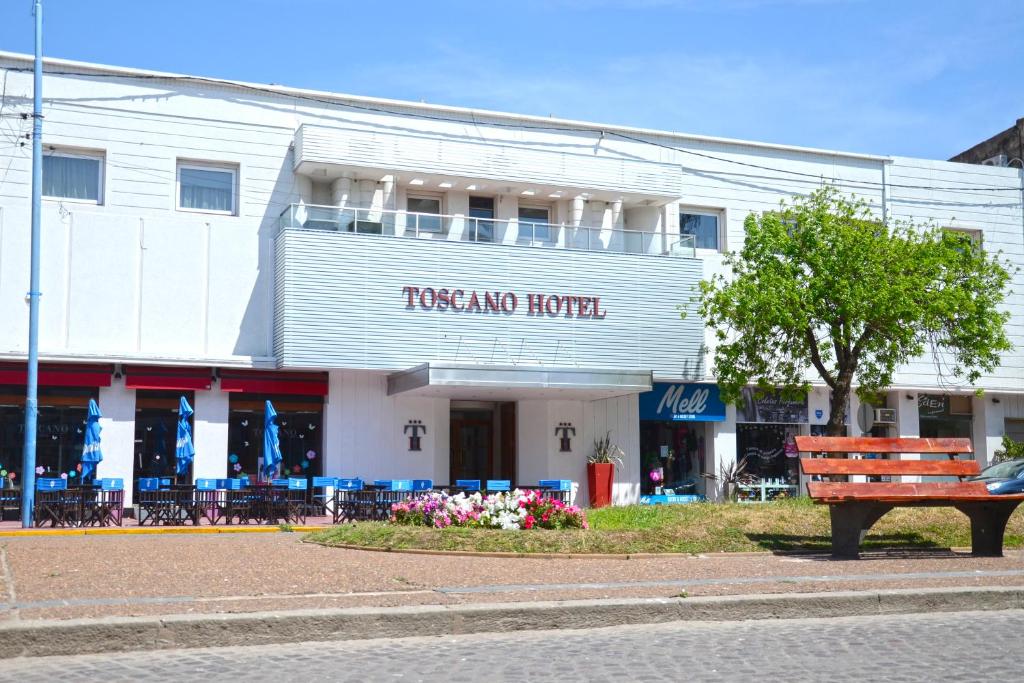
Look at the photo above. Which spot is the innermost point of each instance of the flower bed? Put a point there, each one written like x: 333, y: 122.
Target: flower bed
x: 515, y: 510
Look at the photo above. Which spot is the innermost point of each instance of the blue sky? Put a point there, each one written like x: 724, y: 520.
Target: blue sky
x: 921, y: 78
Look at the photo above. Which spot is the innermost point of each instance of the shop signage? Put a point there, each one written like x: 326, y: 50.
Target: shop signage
x: 565, y: 431
x: 932, y: 405
x: 470, y: 301
x: 682, y: 402
x: 413, y: 429
x: 770, y: 406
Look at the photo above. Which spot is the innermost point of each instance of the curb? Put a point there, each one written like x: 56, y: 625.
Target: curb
x: 598, y: 556
x: 124, y: 634
x: 146, y: 531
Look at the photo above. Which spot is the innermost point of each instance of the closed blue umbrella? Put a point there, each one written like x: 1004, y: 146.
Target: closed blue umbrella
x: 184, y: 451
x: 271, y: 444
x: 91, y: 453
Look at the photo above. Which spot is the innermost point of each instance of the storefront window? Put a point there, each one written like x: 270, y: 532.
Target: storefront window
x: 299, y: 419
x: 156, y: 432
x: 59, y: 436
x: 673, y: 458
x: 766, y: 431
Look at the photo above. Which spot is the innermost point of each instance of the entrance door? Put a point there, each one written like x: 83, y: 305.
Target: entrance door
x: 472, y: 445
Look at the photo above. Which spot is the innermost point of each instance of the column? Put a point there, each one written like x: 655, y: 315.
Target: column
x: 210, y: 435
x: 988, y: 427
x: 908, y: 422
x: 117, y: 439
x: 334, y: 429
x: 341, y: 191
x: 723, y: 451
x: 389, y: 202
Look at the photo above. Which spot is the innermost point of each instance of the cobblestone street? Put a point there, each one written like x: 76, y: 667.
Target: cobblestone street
x: 968, y: 646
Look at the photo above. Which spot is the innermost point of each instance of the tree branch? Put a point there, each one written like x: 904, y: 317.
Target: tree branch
x: 812, y: 343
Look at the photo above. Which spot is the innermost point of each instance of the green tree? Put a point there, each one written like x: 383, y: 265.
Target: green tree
x: 822, y: 284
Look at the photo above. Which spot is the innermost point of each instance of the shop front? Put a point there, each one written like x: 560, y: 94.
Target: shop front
x: 64, y: 393
x: 298, y: 400
x: 676, y: 422
x: 944, y: 415
x: 767, y: 425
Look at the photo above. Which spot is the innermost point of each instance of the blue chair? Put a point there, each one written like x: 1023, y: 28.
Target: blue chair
x: 468, y: 484
x: 112, y: 484
x: 297, y: 484
x: 279, y: 483
x: 495, y: 485
x: 51, y: 484
x: 52, y: 505
x: 349, y: 500
x: 206, y: 485
x: 230, y: 484
x: 394, y: 484
x: 556, y: 489
x: 420, y: 485
x: 318, y: 498
x: 166, y: 482
x: 149, y: 484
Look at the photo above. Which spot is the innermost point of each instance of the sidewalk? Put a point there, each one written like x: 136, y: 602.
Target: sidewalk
x: 173, y: 574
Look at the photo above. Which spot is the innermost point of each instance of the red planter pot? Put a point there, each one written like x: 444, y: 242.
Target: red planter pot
x: 600, y: 476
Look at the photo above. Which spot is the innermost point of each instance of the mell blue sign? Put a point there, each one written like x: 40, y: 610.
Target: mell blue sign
x: 682, y: 402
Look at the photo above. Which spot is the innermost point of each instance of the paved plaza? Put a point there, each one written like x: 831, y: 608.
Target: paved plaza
x: 95, y: 576
x: 966, y: 646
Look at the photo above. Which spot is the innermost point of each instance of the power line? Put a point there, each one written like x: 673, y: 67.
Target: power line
x: 471, y: 120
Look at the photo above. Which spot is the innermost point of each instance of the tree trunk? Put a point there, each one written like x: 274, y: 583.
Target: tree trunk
x: 836, y: 425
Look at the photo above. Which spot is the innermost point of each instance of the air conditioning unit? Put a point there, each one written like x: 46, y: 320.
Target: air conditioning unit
x: 997, y: 160
x: 885, y: 416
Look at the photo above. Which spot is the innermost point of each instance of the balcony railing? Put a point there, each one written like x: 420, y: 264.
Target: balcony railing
x: 484, y: 230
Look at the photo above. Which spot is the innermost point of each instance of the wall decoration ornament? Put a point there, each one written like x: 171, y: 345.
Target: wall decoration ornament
x: 413, y: 429
x: 565, y: 431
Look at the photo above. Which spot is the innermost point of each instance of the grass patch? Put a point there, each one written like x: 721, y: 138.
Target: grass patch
x: 794, y: 524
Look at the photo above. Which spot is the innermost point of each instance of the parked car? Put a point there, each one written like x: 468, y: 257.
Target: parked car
x: 1003, y: 477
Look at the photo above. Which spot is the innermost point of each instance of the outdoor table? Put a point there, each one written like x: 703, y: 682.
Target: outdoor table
x: 101, y: 504
x: 169, y: 506
x: 209, y: 501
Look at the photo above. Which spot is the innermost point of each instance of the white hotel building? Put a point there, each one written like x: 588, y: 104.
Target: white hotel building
x: 489, y: 282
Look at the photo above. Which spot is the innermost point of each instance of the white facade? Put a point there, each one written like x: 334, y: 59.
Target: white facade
x: 132, y: 278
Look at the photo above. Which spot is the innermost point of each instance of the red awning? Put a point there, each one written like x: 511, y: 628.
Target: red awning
x: 59, y: 374
x: 271, y: 382
x: 167, y: 377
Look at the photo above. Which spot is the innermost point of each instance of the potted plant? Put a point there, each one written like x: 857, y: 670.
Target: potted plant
x: 731, y: 475
x: 601, y: 470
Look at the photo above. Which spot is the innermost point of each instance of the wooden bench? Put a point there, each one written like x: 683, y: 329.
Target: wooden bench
x: 855, y: 506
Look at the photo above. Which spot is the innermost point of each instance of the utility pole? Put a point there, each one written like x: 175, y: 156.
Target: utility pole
x: 28, y: 469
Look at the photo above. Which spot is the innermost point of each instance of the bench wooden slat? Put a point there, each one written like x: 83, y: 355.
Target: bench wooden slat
x: 875, y: 444
x: 951, y: 491
x: 952, y: 468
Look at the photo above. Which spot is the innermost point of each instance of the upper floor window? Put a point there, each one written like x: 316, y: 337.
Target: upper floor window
x: 424, y: 213
x: 207, y: 187
x: 534, y: 223
x: 73, y: 175
x: 704, y: 226
x: 481, y: 210
x: 973, y: 236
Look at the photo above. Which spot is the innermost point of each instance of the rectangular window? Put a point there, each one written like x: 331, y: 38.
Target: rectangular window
x: 533, y: 223
x: 703, y: 227
x: 207, y: 188
x: 424, y: 214
x: 971, y: 235
x: 73, y: 176
x: 481, y: 209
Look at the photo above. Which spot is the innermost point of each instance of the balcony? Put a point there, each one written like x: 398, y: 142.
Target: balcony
x: 410, y: 225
